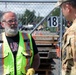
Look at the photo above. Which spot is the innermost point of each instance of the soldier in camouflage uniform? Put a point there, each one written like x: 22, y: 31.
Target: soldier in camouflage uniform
x: 69, y: 39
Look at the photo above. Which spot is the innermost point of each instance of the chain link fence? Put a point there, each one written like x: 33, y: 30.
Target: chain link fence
x: 30, y: 12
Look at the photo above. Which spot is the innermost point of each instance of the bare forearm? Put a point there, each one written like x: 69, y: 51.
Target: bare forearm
x: 36, y: 62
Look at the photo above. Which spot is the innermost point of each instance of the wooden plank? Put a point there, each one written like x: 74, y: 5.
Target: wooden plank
x: 44, y: 42
x: 46, y: 37
x: 44, y: 48
x: 44, y: 70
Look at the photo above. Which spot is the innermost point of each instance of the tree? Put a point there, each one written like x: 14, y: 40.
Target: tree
x: 56, y: 12
x: 27, y: 17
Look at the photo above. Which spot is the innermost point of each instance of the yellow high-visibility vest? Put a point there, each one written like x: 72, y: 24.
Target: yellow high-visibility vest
x: 24, y: 57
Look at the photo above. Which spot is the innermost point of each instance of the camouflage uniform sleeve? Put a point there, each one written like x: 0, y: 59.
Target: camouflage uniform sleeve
x: 65, y: 42
x: 73, y: 46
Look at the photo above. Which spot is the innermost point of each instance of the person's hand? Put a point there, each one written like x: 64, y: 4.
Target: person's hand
x: 30, y: 71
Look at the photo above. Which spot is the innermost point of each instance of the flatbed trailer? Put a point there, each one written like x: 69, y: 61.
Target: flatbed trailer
x: 46, y: 43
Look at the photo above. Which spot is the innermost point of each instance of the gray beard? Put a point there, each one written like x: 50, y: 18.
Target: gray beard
x: 11, y: 32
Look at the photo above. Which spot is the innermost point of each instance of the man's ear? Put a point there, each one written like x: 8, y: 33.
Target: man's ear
x: 2, y: 24
x: 69, y: 8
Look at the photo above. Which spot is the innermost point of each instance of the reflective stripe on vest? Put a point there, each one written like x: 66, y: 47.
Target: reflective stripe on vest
x: 1, y: 57
x: 24, y: 56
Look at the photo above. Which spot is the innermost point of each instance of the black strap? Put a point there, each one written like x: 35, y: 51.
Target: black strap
x: 1, y: 41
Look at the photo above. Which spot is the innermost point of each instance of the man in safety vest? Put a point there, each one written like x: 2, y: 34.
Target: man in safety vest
x: 18, y: 51
x: 69, y: 39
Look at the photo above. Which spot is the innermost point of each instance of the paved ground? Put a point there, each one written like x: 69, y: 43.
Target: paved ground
x: 57, y: 66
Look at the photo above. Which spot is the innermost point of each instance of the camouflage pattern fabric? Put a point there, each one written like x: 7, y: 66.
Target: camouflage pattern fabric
x: 69, y: 51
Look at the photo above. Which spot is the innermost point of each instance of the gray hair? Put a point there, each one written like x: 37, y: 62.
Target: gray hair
x: 2, y: 18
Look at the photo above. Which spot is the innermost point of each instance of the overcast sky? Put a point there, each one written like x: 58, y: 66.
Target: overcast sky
x: 42, y: 9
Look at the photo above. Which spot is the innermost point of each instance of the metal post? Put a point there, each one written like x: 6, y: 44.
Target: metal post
x: 61, y: 29
x: 5, y: 6
x: 60, y: 40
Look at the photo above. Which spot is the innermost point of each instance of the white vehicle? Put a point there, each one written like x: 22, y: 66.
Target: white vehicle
x: 27, y: 27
